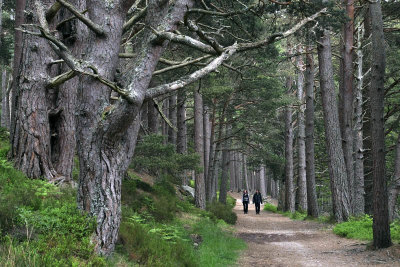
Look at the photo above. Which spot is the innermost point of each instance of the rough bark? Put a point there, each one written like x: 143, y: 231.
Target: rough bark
x: 106, y: 141
x: 200, y: 191
x: 358, y: 201
x: 232, y: 172
x: 336, y: 164
x: 210, y: 171
x: 301, y: 192
x: 347, y: 99
x: 312, y: 204
x: 381, y: 229
x: 30, y: 128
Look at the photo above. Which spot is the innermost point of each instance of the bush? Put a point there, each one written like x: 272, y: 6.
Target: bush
x: 223, y: 212
x: 155, y: 245
x: 270, y: 207
x: 357, y: 228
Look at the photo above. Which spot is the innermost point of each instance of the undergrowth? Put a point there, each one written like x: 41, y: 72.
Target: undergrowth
x: 361, y: 228
x: 40, y: 225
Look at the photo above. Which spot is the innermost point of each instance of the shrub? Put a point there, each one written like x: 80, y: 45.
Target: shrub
x: 222, y: 211
x: 270, y: 207
x: 154, y: 244
x: 357, y: 228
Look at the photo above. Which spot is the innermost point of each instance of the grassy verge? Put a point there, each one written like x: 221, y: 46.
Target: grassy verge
x: 361, y: 228
x: 295, y: 216
x: 40, y: 225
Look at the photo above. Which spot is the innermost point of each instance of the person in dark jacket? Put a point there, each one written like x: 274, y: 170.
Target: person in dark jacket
x: 257, y: 200
x: 245, y: 201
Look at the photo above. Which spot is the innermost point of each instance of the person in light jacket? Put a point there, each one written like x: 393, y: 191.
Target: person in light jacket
x: 245, y: 201
x: 257, y: 200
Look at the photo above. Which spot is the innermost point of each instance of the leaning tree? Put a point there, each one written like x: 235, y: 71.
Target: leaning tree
x: 107, y: 126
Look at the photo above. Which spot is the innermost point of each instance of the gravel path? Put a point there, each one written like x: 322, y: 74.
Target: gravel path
x: 275, y: 240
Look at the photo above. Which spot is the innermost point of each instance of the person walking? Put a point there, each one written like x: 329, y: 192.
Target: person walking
x: 245, y: 201
x: 257, y: 200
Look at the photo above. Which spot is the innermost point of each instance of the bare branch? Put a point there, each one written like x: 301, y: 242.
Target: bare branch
x: 182, y: 64
x: 188, y: 79
x: 52, y: 12
x: 211, y: 41
x: 134, y: 19
x: 188, y: 41
x: 69, y: 19
x: 90, y: 24
x: 221, y: 14
x: 165, y: 118
x: 280, y: 3
x: 62, y: 78
x: 278, y: 36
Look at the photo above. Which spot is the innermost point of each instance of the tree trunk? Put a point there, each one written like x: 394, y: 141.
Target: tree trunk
x: 210, y: 170
x: 359, y: 193
x: 381, y: 229
x: 207, y: 140
x: 394, y: 189
x: 312, y: 204
x: 301, y: 149
x: 347, y: 97
x: 172, y: 116
x: 289, y: 179
x: 5, y: 108
x: 246, y: 180
x: 19, y: 20
x: 337, y: 167
x: 225, y: 167
x: 263, y: 190
x: 152, y: 120
x: 30, y: 128
x: 200, y: 191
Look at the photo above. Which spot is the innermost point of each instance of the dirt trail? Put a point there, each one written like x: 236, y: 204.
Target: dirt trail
x: 275, y: 240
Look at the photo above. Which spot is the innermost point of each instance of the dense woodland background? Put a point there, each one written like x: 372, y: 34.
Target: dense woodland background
x: 299, y: 99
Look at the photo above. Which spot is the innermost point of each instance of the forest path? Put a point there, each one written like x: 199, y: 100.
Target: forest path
x: 275, y: 240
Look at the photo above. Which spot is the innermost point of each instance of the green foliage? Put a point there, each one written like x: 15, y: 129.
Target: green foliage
x: 152, y: 244
x: 270, y: 207
x: 222, y: 212
x: 219, y: 248
x: 357, y: 228
x: 41, y: 223
x: 154, y: 157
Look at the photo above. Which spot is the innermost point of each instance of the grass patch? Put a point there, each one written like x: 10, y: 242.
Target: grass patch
x: 270, y: 207
x: 294, y: 216
x: 219, y: 248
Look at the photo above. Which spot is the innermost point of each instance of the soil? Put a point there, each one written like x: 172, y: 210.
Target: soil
x: 275, y: 240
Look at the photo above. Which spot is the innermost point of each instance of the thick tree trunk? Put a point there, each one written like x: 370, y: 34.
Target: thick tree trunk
x: 312, y: 204
x: 200, y: 191
x: 301, y: 192
x: 359, y: 193
x: 164, y: 124
x: 30, y: 128
x: 172, y: 116
x: 281, y: 195
x: 337, y: 167
x: 381, y: 229
x: 181, y: 141
x: 347, y: 97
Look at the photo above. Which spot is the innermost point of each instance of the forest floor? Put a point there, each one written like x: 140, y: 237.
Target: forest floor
x: 276, y: 240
